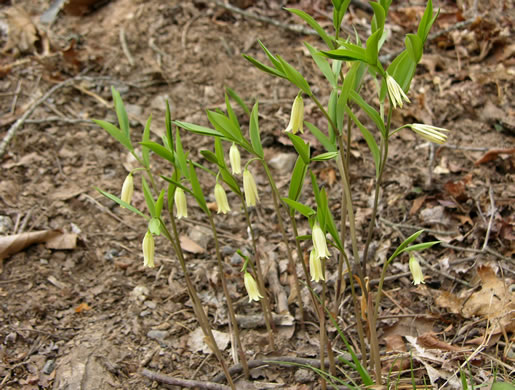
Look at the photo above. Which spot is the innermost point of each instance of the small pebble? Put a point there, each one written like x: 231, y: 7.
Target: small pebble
x: 150, y: 304
x: 158, y: 335
x: 49, y: 367
x: 6, y: 225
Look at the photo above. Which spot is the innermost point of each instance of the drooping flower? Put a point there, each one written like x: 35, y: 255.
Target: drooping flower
x: 221, y: 199
x: 250, y: 189
x: 319, y: 242
x: 430, y: 133
x: 297, y: 116
x: 180, y: 203
x: 148, y: 250
x: 315, y: 267
x: 416, y: 270
x: 397, y: 95
x: 251, y: 287
x: 234, y: 159
x: 127, y: 189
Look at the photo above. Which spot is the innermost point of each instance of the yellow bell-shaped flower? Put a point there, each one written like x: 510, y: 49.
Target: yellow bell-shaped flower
x: 234, y: 159
x: 315, y: 267
x: 251, y: 287
x: 127, y: 189
x: 416, y: 270
x: 297, y: 116
x: 319, y: 242
x: 148, y: 250
x: 181, y: 204
x: 396, y: 93
x: 250, y: 189
x: 221, y: 199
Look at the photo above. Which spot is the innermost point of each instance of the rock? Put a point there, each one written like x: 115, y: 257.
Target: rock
x: 303, y: 375
x: 139, y: 293
x: 158, y: 335
x: 201, y: 236
x: 6, y: 225
x: 49, y: 367
x: 283, y: 162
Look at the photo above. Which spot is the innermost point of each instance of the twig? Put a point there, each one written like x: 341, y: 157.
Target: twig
x: 415, y: 227
x: 169, y: 380
x: 125, y: 47
x: 279, y: 360
x: 473, y: 250
x: 492, y: 213
x: 59, y: 119
x: 468, y: 148
x: 14, y: 128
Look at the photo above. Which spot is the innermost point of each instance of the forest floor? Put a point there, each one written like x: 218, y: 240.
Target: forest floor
x: 77, y: 308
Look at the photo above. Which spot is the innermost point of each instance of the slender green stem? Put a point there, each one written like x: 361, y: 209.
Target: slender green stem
x: 230, y: 307
x: 293, y: 269
x: 265, y: 302
x: 377, y: 191
x: 197, y: 305
x: 326, y: 114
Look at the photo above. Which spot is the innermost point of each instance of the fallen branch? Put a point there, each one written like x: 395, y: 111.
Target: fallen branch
x: 14, y: 128
x: 170, y: 380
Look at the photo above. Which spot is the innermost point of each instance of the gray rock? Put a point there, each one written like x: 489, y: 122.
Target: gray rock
x: 283, y: 162
x: 158, y: 335
x: 6, y: 224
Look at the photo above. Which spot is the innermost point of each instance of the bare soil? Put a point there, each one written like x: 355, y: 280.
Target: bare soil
x: 91, y: 317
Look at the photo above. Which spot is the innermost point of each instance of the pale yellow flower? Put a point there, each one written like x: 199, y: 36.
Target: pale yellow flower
x: 221, y: 199
x: 430, y: 133
x: 148, y: 250
x: 250, y: 189
x: 297, y: 116
x: 180, y: 203
x: 397, y: 95
x: 234, y: 159
x: 251, y: 287
x: 127, y: 189
x: 315, y: 267
x: 416, y: 271
x: 319, y: 242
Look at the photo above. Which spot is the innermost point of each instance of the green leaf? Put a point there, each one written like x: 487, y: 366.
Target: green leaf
x: 370, y: 140
x: 230, y: 181
x: 503, y: 386
x: 295, y: 77
x: 219, y: 152
x: 271, y: 57
x: 297, y: 179
x: 420, y: 247
x: 168, y: 123
x: 415, y: 47
x: 370, y: 111
x: 263, y: 67
x: 330, y: 226
x: 231, y: 114
x: 300, y: 146
x: 313, y: 24
x: 402, y: 69
x: 180, y: 156
x: 122, y: 203
x: 426, y: 22
x: 120, y: 136
x: 193, y: 128
x: 197, y: 190
x: 224, y: 125
x: 373, y: 46
x: 348, y: 84
x: 210, y: 156
x: 160, y: 150
x: 254, y: 132
x: 325, y: 156
x: 146, y: 137
x: 404, y: 244
x: 323, y: 65
x: 338, y: 12
x: 148, y: 198
x: 123, y: 119
x: 332, y: 111
x: 159, y: 203
x: 321, y: 137
x: 238, y: 100
x: 154, y: 226
x: 301, y: 208
x: 379, y: 16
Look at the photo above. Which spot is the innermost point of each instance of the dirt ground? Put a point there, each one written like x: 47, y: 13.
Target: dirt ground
x: 85, y: 314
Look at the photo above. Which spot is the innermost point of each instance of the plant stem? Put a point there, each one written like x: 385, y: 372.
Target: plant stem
x: 197, y: 305
x: 232, y: 315
x: 265, y: 302
x: 293, y: 269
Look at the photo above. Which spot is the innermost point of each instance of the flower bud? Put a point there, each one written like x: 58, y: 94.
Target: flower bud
x: 416, y: 271
x: 148, y: 250
x: 315, y: 267
x: 251, y: 287
x: 234, y: 159
x: 319, y: 242
x: 127, y: 189
x: 297, y: 116
x: 250, y: 189
x: 430, y: 133
x: 180, y: 203
x: 397, y: 95
x: 221, y: 199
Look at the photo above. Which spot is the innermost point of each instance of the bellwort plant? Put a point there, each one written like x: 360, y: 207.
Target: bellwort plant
x: 335, y: 243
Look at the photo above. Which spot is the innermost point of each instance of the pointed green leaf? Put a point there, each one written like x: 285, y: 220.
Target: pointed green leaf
x: 373, y: 46
x: 263, y: 67
x: 159, y: 203
x: 314, y: 25
x: 255, y: 138
x: 230, y: 181
x: 301, y: 208
x: 231, y: 115
x: 209, y: 156
x: 193, y: 128
x: 238, y: 100
x: 148, y: 197
x: 122, y: 203
x: 323, y: 65
x: 295, y: 77
x: 123, y: 119
x: 168, y: 123
x: 115, y: 133
x: 146, y: 138
x: 154, y: 226
x: 321, y: 137
x: 420, y: 247
x: 300, y: 146
x: 325, y: 156
x: 160, y: 150
x: 197, y: 190
x: 180, y: 156
x: 379, y: 16
x: 370, y: 111
x: 297, y: 179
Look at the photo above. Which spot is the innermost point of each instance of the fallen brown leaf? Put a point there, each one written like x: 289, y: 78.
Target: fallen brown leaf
x: 190, y: 246
x: 492, y: 154
x: 15, y: 243
x: 428, y: 340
